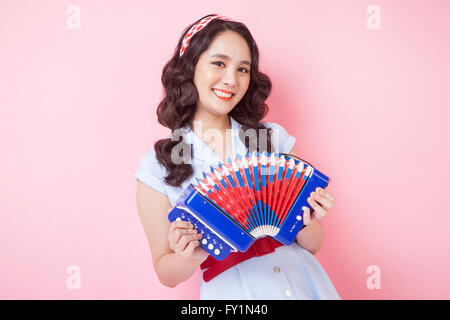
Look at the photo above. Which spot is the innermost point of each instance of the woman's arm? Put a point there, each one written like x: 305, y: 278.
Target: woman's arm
x: 171, y: 268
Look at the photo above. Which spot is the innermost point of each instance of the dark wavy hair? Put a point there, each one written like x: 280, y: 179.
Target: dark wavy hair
x: 179, y: 105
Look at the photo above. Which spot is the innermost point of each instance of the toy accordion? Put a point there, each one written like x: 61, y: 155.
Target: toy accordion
x: 248, y: 198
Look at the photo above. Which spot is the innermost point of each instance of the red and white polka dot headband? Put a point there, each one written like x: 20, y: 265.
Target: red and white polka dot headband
x: 196, y: 28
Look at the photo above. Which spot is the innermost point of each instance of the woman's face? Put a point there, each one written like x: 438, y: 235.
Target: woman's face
x: 223, y: 69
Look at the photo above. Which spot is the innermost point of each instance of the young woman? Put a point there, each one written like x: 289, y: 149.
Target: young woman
x: 214, y: 95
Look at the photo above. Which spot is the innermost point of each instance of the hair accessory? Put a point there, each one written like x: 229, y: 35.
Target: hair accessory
x: 196, y: 28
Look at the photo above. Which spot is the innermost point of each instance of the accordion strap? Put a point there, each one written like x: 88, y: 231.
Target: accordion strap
x: 259, y: 248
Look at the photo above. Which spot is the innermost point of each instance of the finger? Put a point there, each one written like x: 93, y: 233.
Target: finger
x: 175, y: 236
x: 327, y: 203
x: 189, y: 251
x: 326, y: 194
x: 319, y: 212
x: 319, y: 215
x: 178, y: 233
x: 180, y: 245
x: 306, y: 216
x: 184, y: 241
x: 180, y: 224
x: 183, y: 224
x: 176, y: 230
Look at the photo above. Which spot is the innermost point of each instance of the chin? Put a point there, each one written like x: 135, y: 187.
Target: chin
x: 220, y: 110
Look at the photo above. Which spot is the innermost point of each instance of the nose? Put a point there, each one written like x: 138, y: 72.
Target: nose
x: 230, y: 77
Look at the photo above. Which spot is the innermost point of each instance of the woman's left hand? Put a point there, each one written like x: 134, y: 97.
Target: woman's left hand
x: 320, y: 201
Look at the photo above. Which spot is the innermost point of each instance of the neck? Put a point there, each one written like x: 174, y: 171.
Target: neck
x: 205, y: 121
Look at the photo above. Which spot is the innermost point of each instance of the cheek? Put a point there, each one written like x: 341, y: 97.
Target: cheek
x: 210, y: 74
x: 244, y: 85
x: 204, y: 78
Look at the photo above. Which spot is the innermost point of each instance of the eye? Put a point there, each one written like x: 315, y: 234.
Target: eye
x: 218, y: 63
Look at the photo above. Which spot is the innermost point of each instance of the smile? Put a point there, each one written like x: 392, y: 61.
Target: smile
x: 222, y: 95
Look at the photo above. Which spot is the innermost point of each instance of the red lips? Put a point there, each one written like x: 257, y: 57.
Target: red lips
x: 225, y: 91
x: 223, y: 98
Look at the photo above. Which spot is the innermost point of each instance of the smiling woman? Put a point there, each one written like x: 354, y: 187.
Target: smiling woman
x: 221, y: 93
x: 213, y: 84
x: 215, y: 53
x: 222, y: 74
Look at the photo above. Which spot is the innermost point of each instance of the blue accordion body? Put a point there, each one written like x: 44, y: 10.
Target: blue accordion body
x: 222, y: 234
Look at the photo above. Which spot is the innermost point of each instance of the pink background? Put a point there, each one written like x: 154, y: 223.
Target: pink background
x: 368, y: 107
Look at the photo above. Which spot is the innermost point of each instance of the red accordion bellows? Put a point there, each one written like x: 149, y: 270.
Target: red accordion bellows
x: 256, y: 191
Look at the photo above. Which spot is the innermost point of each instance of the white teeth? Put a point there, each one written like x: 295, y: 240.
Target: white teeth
x: 222, y: 94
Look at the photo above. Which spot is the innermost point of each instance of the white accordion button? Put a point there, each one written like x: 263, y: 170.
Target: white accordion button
x: 204, y: 241
x: 210, y: 246
x: 287, y: 293
x: 178, y: 219
x: 299, y: 218
x: 217, y: 252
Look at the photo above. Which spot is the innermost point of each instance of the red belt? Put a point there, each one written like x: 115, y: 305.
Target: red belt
x: 259, y: 248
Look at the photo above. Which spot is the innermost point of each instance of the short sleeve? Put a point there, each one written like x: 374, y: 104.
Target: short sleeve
x: 282, y: 141
x: 152, y: 173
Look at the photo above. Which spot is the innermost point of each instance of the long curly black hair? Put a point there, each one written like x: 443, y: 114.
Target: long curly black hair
x: 178, y: 107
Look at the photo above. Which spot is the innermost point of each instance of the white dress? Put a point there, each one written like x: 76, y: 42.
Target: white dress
x: 290, y: 272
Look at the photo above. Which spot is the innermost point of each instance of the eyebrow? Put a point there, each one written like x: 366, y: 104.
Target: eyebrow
x: 225, y: 57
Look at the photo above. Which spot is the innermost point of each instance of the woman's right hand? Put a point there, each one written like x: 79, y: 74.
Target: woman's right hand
x: 185, y: 240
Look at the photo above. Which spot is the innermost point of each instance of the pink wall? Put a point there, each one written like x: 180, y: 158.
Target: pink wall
x: 368, y: 107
